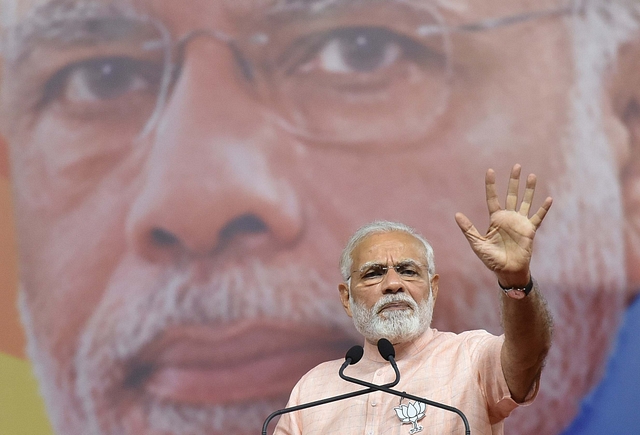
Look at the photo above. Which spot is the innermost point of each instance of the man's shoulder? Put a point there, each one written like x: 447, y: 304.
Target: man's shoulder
x: 472, y: 334
x: 322, y: 370
x: 471, y: 338
x: 468, y: 350
x: 320, y: 382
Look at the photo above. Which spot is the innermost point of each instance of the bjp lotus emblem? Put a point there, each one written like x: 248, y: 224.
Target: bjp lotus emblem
x: 411, y: 413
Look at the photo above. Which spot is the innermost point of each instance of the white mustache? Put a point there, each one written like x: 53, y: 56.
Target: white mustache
x: 392, y: 299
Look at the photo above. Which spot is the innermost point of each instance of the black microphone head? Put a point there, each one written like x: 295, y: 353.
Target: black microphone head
x: 386, y: 349
x: 354, y: 354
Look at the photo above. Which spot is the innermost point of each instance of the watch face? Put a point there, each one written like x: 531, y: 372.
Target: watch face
x: 516, y: 293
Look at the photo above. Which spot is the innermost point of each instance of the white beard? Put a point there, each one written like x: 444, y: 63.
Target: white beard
x: 396, y: 326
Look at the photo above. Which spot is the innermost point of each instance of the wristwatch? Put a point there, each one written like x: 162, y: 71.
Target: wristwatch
x: 517, y: 292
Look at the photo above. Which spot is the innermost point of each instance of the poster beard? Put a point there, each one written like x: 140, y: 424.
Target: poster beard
x: 122, y: 327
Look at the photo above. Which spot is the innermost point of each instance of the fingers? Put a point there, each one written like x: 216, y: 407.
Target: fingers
x: 512, y: 190
x: 469, y: 230
x: 493, y: 204
x: 528, y: 195
x: 537, y: 218
x: 492, y: 196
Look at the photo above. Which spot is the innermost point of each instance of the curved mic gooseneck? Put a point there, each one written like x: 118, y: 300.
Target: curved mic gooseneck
x: 388, y: 352
x: 353, y: 356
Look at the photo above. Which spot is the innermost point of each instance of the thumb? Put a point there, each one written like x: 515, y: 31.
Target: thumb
x: 468, y: 229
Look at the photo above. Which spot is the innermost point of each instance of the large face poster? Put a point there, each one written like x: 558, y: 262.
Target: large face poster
x: 184, y: 175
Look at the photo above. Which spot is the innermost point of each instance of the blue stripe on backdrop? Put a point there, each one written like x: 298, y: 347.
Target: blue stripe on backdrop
x: 613, y: 406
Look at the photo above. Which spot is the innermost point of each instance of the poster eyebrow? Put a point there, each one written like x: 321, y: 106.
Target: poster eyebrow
x: 50, y: 22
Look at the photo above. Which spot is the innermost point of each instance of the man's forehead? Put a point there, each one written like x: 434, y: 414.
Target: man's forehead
x: 395, y: 246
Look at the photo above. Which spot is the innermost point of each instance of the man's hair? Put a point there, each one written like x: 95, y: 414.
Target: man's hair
x: 382, y: 227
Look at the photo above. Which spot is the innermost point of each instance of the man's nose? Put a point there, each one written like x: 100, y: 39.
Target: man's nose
x: 215, y: 170
x: 392, y: 282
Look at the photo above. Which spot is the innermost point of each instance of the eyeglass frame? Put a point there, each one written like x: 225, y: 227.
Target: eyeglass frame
x: 577, y: 7
x: 421, y: 267
x: 172, y: 64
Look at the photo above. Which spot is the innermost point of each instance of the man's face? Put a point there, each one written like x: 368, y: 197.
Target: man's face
x: 390, y: 293
x: 182, y: 199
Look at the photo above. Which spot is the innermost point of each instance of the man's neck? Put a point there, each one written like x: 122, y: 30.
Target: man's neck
x: 402, y: 348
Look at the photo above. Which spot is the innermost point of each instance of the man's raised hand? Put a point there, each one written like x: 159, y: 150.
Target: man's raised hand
x: 507, y: 246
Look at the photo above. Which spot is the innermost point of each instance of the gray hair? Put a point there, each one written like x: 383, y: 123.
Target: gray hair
x: 381, y: 227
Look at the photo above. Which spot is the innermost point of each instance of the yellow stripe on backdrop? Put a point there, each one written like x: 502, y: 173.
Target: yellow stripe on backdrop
x: 21, y: 408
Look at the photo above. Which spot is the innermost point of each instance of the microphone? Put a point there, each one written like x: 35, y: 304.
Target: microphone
x: 388, y: 352
x: 386, y: 349
x: 353, y: 356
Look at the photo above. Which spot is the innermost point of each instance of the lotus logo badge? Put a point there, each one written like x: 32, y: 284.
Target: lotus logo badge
x: 411, y: 413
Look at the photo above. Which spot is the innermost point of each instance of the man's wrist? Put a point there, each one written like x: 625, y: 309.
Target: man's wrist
x: 517, y: 292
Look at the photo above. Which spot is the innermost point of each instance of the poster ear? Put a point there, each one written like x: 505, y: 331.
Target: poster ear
x: 623, y: 126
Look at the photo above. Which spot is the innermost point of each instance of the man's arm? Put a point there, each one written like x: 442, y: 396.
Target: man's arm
x: 506, y: 250
x: 527, y: 329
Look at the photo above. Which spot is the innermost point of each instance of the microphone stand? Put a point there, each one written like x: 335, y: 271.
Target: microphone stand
x: 353, y: 356
x: 371, y: 389
x: 385, y: 388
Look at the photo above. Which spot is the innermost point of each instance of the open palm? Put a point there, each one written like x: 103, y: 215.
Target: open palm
x: 507, y: 245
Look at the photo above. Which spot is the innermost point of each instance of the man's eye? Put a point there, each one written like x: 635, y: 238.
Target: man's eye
x: 373, y: 273
x: 103, y: 80
x: 407, y: 271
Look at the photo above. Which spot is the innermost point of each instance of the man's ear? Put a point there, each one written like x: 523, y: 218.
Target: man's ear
x: 622, y: 121
x: 434, y: 286
x: 343, y: 288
